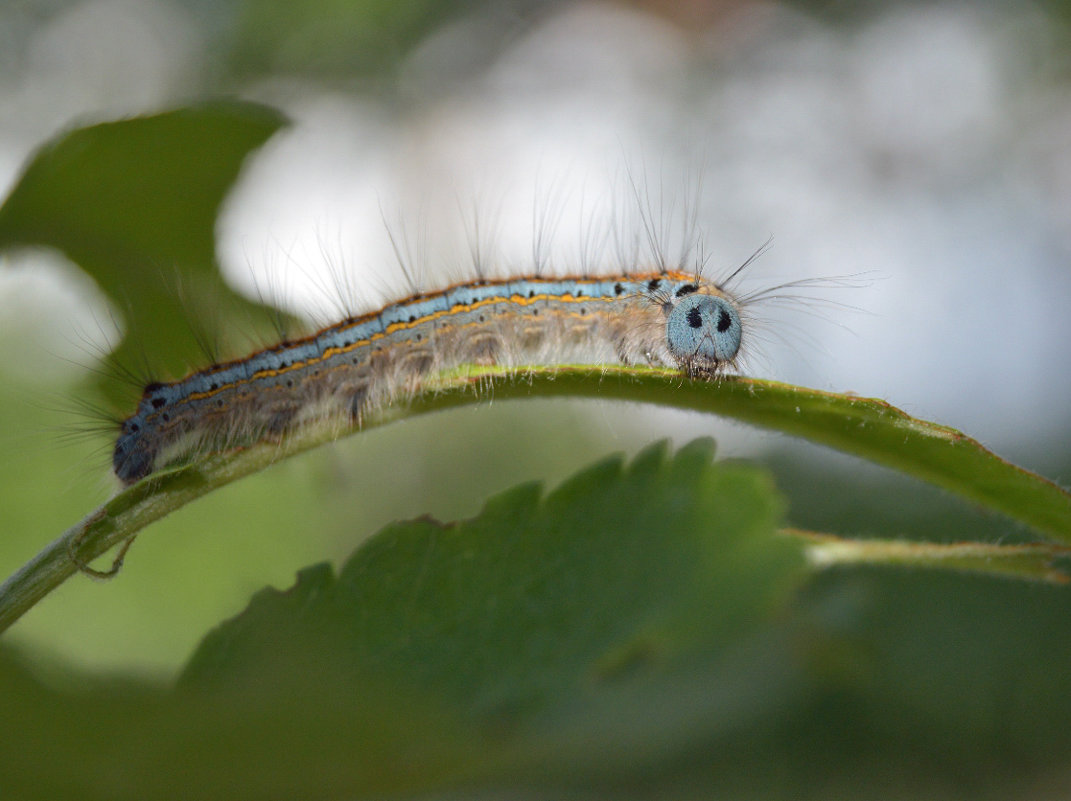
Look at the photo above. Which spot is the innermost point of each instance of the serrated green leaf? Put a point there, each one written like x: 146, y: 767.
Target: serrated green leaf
x: 620, y: 609
x: 636, y: 632
x: 592, y: 631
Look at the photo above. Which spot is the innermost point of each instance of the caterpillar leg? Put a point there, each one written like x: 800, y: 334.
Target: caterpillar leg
x: 83, y: 566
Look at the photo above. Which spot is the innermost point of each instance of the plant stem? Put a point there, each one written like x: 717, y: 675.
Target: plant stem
x: 866, y: 427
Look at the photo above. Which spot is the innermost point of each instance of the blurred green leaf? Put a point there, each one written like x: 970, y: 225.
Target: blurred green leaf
x: 332, y: 37
x: 967, y: 673
x: 539, y: 608
x: 595, y: 630
x: 642, y: 631
x: 80, y: 737
x: 134, y: 203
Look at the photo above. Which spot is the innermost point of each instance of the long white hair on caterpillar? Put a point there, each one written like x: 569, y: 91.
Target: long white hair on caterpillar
x: 655, y: 306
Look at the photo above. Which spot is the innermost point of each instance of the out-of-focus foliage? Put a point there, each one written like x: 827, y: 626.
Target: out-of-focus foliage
x: 134, y: 203
x: 332, y: 38
x: 642, y: 631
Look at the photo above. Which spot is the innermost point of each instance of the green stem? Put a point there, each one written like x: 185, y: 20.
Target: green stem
x: 866, y: 427
x: 1033, y: 562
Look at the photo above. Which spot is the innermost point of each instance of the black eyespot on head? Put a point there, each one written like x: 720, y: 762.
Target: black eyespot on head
x: 687, y: 289
x: 618, y: 289
x: 158, y: 402
x: 724, y: 321
x: 695, y: 319
x: 653, y: 284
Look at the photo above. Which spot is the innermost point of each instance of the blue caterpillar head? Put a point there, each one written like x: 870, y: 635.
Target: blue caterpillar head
x: 703, y: 332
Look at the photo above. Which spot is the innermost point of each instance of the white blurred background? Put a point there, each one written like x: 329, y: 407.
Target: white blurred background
x: 924, y: 146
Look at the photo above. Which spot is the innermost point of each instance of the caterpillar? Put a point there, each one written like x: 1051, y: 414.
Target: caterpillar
x: 664, y: 318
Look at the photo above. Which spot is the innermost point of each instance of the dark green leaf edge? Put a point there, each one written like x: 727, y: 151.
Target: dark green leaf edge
x: 867, y: 427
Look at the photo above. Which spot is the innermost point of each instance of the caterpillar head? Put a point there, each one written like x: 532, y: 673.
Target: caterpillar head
x: 703, y: 331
